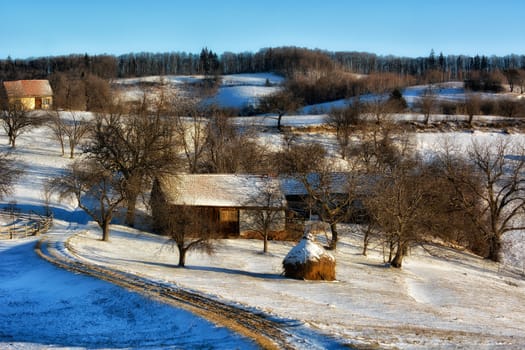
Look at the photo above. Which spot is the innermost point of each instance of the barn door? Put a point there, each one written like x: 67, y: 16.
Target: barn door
x: 229, y: 221
x: 38, y: 102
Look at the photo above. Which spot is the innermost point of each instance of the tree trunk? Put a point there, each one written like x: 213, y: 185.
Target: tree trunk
x: 105, y: 229
x: 131, y: 202
x: 390, y: 250
x: 397, y: 262
x: 366, y: 240
x: 71, y: 150
x: 333, y: 241
x: 365, y: 246
x: 279, y: 121
x: 265, y: 244
x: 182, y: 255
x: 133, y: 188
x: 494, y: 248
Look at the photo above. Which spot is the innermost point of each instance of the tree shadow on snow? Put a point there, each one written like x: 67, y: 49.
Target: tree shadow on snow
x: 206, y: 268
x: 236, y: 272
x: 77, y: 216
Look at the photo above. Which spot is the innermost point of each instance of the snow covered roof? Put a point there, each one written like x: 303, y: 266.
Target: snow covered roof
x: 27, y: 88
x: 294, y: 186
x: 223, y: 190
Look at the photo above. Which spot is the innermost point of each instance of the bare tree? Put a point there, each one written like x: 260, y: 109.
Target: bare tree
x: 289, y: 137
x: 280, y: 103
x: 16, y: 121
x: 74, y: 129
x: 427, y: 103
x: 370, y: 229
x: 97, y: 191
x: 344, y: 121
x: 184, y: 225
x: 401, y: 204
x: 188, y: 231
x: 230, y: 149
x: 8, y: 174
x: 512, y: 76
x: 300, y: 158
x: 329, y: 194
x: 472, y: 106
x: 376, y: 148
x: 509, y: 108
x: 81, y: 92
x: 69, y: 91
x: 139, y: 145
x: 521, y: 80
x: 268, y: 210
x: 190, y: 128
x: 97, y: 93
x: 378, y: 110
x: 498, y: 187
x: 56, y: 124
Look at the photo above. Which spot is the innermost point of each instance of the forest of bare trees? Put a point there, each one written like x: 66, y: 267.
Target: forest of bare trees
x: 83, y: 82
x: 282, y: 60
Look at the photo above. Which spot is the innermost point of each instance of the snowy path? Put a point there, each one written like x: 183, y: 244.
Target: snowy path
x: 43, y: 306
x: 266, y: 332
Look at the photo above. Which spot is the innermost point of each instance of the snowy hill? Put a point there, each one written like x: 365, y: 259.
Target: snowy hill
x: 444, y: 92
x: 235, y: 90
x: 440, y: 299
x: 244, y: 90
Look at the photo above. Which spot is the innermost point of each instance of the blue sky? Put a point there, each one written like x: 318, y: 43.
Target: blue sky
x: 399, y: 27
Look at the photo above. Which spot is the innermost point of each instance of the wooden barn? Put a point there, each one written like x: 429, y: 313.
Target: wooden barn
x: 29, y: 94
x: 336, y: 187
x: 226, y: 201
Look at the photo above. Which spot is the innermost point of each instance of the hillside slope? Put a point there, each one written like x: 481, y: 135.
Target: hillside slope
x: 441, y: 298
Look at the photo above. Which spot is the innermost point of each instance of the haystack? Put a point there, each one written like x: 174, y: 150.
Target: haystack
x: 309, y: 261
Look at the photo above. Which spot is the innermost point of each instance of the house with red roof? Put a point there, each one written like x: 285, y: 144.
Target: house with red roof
x: 29, y: 94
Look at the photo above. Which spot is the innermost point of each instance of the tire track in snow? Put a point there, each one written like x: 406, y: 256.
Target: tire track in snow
x: 268, y: 333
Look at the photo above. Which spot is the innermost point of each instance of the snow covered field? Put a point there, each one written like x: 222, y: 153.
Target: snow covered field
x: 440, y: 299
x: 241, y: 90
x: 43, y: 306
x: 235, y: 91
x: 444, y: 92
x: 46, y: 307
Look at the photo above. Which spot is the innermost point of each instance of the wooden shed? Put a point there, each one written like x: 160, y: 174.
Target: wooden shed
x: 335, y: 187
x: 224, y: 200
x: 29, y: 94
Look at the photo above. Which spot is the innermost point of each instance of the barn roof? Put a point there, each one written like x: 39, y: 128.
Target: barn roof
x: 27, y: 88
x: 222, y: 190
x: 337, y: 182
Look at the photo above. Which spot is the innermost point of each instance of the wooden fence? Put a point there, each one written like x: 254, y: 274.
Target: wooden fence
x: 20, y: 225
